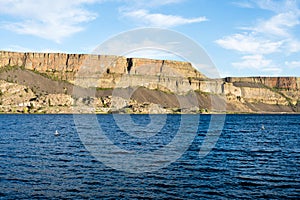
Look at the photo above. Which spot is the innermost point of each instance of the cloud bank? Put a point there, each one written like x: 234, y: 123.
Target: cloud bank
x: 49, y: 19
x: 267, y: 36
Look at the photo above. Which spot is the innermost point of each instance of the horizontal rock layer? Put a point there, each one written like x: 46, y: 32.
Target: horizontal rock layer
x: 292, y: 83
x: 42, y: 73
x: 65, y: 66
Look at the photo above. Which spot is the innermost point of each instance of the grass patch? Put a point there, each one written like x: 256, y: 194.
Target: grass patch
x: 278, y: 91
x: 203, y: 93
x: 8, y: 68
x: 102, y: 89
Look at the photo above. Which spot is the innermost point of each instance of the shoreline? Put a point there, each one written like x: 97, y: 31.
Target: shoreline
x: 229, y: 113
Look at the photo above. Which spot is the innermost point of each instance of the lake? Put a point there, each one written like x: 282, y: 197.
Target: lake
x: 254, y: 156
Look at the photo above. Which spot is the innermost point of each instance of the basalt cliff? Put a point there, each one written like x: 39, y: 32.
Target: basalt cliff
x: 82, y: 83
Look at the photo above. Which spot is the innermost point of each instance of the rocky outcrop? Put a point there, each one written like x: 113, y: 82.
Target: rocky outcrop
x: 15, y: 98
x: 13, y: 95
x: 43, y: 83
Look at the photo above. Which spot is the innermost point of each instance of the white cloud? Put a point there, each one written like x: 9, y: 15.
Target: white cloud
x: 161, y: 20
x: 258, y: 62
x: 277, y: 6
x: 49, y: 19
x: 253, y: 61
x: 292, y: 45
x: 243, y: 4
x: 153, y: 54
x: 141, y: 11
x: 248, y: 43
x: 287, y: 14
x: 274, y: 70
x: 278, y: 25
x: 153, y: 3
x: 292, y: 64
x: 267, y: 37
x: 17, y: 48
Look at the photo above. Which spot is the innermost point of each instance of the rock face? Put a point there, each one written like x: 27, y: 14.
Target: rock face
x: 289, y: 83
x: 105, y: 71
x: 13, y: 94
x: 43, y: 82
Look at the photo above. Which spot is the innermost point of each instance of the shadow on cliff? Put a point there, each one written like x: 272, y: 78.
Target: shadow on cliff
x: 41, y: 84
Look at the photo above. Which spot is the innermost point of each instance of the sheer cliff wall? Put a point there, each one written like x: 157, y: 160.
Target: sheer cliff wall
x: 242, y: 93
x: 292, y: 83
x: 112, y: 68
x: 110, y: 71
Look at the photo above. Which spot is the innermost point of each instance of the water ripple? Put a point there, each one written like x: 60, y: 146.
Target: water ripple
x: 246, y: 163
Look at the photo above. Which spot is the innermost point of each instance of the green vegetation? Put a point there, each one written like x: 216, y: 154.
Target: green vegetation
x: 203, y: 93
x: 48, y: 75
x: 161, y: 90
x: 278, y: 91
x: 8, y: 68
x: 102, y: 89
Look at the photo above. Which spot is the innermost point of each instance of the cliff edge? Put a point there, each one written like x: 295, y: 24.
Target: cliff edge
x: 45, y: 82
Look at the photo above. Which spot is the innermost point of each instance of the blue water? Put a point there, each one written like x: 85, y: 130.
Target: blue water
x: 246, y: 162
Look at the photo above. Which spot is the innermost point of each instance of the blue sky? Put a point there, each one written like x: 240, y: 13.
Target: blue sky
x: 242, y: 37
